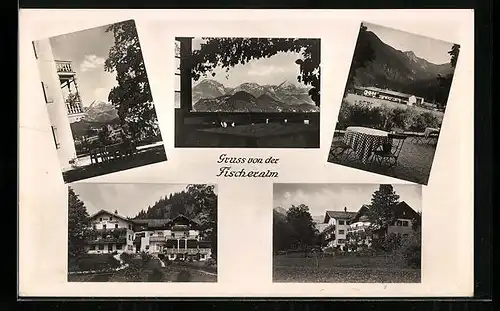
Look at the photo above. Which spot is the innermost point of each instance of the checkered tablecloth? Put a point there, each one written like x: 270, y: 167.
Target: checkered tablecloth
x: 364, y: 140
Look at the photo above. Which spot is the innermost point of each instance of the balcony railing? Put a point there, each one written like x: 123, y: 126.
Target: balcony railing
x: 64, y: 66
x: 191, y: 251
x: 111, y: 240
x: 157, y: 238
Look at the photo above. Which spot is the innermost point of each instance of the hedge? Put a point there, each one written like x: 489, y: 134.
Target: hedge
x: 386, y: 117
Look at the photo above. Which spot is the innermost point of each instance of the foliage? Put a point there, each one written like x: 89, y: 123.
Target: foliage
x: 132, y: 97
x: 95, y: 262
x: 295, y: 230
x: 197, y: 201
x: 380, y: 210
x: 386, y: 118
x: 156, y: 275
x: 77, y: 224
x: 229, y: 52
x: 303, y: 230
x: 363, y: 55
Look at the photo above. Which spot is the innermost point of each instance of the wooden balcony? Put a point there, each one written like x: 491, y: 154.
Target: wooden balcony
x: 64, y: 67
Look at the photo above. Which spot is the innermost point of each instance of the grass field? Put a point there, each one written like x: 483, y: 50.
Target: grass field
x: 342, y: 269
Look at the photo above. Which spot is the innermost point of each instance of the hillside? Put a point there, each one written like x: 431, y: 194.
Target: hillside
x: 278, y: 97
x: 96, y: 116
x: 400, y: 70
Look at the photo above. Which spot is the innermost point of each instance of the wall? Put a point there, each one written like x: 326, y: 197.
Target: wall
x: 56, y: 107
x: 400, y: 229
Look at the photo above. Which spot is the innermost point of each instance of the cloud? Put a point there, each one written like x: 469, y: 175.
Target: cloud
x: 101, y: 94
x: 91, y: 62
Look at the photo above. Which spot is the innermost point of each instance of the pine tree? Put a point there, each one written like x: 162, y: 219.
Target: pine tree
x: 77, y: 224
x: 380, y: 210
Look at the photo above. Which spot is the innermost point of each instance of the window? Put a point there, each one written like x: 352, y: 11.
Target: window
x: 130, y: 227
x: 177, y: 77
x: 405, y: 223
x: 202, y: 256
x: 54, y: 135
x: 104, y: 227
x: 101, y: 247
x: 147, y: 247
x: 92, y: 247
x: 116, y: 226
x: 151, y: 234
x: 340, y: 241
x: 399, y: 223
x: 341, y: 231
x: 341, y: 222
x: 160, y: 233
x: 129, y: 237
x: 100, y: 219
x: 110, y: 218
x: 119, y: 246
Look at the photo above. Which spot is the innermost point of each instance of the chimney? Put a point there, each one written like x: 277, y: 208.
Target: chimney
x: 345, y: 209
x: 116, y: 212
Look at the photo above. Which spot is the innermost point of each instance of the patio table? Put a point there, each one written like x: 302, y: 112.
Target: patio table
x: 364, y: 140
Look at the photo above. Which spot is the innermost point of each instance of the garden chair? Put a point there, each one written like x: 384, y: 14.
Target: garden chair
x: 388, y: 153
x: 339, y: 150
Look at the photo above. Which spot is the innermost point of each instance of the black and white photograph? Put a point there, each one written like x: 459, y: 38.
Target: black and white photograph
x: 142, y: 232
x: 347, y: 233
x: 394, y: 103
x: 99, y: 102
x: 247, y: 92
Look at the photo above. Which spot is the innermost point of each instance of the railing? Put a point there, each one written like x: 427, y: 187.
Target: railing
x: 188, y: 250
x: 157, y: 238
x: 182, y: 236
x: 112, y: 240
x: 64, y: 66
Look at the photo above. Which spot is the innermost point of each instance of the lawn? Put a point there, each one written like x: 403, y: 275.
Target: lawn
x: 342, y: 269
x: 149, y: 269
x: 146, y: 157
x: 414, y: 162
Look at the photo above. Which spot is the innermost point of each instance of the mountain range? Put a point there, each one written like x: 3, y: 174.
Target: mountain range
x: 210, y: 95
x: 400, y: 70
x: 97, y: 114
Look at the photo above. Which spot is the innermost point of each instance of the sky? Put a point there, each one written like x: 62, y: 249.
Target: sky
x: 127, y: 199
x: 334, y: 197
x: 273, y: 70
x: 432, y: 50
x: 87, y: 50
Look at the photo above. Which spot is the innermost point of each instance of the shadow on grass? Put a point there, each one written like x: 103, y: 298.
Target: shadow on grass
x: 414, y: 163
x: 150, y: 156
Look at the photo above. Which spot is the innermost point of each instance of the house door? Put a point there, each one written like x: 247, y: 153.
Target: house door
x: 110, y: 248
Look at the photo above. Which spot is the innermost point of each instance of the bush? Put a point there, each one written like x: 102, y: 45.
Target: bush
x: 210, y: 262
x: 161, y: 256
x: 97, y: 262
x: 126, y: 257
x: 183, y: 276
x: 385, y: 117
x: 156, y: 275
x: 410, y: 250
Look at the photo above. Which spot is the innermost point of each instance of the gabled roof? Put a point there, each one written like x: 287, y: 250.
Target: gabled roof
x: 403, y: 211
x: 152, y: 223
x: 338, y: 215
x: 181, y: 216
x: 111, y: 214
x: 362, y: 211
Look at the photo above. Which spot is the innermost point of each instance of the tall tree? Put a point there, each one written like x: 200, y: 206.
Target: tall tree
x: 363, y: 55
x: 78, y: 219
x: 229, y: 52
x: 445, y: 81
x: 132, y: 97
x: 204, y: 200
x: 380, y: 210
x: 303, y: 230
